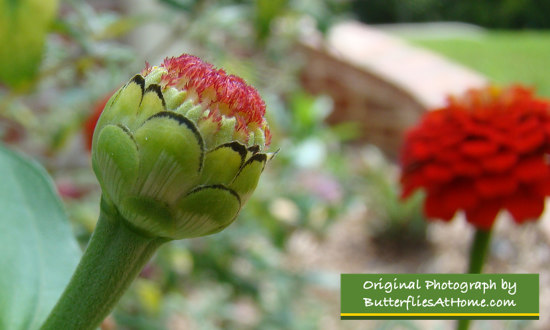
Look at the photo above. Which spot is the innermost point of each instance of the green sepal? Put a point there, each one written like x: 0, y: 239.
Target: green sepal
x: 183, y: 108
x: 222, y: 164
x: 259, y: 137
x: 155, y: 76
x: 174, y: 97
x: 115, y: 160
x: 247, y: 179
x: 226, y: 130
x: 124, y: 104
x: 171, y: 153
x: 151, y: 104
x: 207, y: 210
x: 148, y: 216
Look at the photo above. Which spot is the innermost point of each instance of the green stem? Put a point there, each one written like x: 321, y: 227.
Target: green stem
x: 478, y: 254
x: 114, y: 257
x: 478, y: 251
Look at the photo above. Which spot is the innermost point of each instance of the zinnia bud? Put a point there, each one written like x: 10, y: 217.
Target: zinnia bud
x: 180, y: 148
x: 486, y: 151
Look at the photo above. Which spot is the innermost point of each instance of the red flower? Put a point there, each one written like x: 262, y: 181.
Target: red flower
x: 91, y: 121
x: 486, y: 151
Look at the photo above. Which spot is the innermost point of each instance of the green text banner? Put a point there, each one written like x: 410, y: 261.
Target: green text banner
x: 439, y: 296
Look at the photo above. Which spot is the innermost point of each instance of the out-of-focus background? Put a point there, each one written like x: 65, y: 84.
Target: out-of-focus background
x: 342, y: 81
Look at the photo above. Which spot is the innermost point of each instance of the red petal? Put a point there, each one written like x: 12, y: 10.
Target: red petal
x: 449, y: 156
x: 505, y: 122
x: 528, y: 125
x: 483, y: 216
x: 485, y: 132
x: 466, y: 168
x: 524, y: 207
x: 496, y: 185
x: 478, y: 148
x: 435, y: 208
x: 447, y: 140
x: 419, y: 150
x: 532, y: 169
x: 437, y: 173
x: 499, y: 162
x: 529, y: 142
x: 546, y: 127
x: 410, y: 183
x: 460, y: 196
x: 541, y: 188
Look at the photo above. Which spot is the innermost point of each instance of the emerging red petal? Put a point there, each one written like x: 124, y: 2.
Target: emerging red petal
x: 228, y: 94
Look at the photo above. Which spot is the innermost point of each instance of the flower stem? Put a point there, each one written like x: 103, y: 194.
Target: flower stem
x: 478, y: 254
x: 114, y: 257
x: 478, y: 251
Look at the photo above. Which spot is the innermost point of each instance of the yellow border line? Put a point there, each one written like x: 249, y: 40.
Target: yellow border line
x: 439, y: 314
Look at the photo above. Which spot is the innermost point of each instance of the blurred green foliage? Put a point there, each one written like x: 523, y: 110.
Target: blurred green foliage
x: 23, y: 28
x: 398, y: 224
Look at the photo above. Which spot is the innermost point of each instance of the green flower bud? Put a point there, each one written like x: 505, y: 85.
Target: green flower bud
x: 23, y: 28
x: 180, y: 148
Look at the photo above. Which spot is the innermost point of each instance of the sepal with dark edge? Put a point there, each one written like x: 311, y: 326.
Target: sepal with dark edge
x: 171, y: 155
x: 207, y: 210
x: 223, y: 163
x: 247, y: 179
x: 116, y: 164
x: 122, y: 106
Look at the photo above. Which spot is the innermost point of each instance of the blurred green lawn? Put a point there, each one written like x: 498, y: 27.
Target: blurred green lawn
x: 505, y: 57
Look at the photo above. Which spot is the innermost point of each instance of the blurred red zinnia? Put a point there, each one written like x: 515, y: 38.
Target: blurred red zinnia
x: 91, y: 121
x: 485, y: 151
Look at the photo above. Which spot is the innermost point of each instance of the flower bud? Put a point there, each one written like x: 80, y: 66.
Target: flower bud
x: 180, y: 148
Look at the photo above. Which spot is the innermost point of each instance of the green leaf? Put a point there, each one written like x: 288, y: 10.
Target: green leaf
x: 38, y: 252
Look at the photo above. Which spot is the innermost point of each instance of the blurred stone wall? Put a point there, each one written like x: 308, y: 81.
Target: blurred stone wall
x: 379, y: 81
